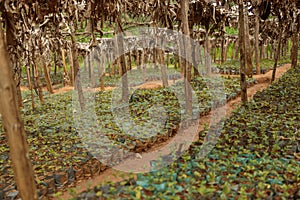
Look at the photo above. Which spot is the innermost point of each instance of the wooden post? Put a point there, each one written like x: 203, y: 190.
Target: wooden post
x: 237, y: 49
x: 30, y: 86
x: 161, y: 57
x: 37, y: 81
x: 18, y: 86
x: 168, y: 59
x: 14, y: 129
x: 242, y: 52
x: 268, y: 53
x: 195, y: 52
x: 72, y: 74
x: 262, y: 50
x: 181, y: 61
x: 90, y: 66
x: 101, y: 74
x: 66, y: 76
x: 129, y: 61
x: 207, y: 53
x: 200, y: 54
x: 12, y: 42
x: 223, y: 51
x: 227, y: 43
x: 120, y: 51
x: 47, y: 75
x: 76, y: 70
x: 248, y: 54
x: 45, y: 68
x: 143, y: 65
x: 294, y: 49
x: 284, y: 48
x: 55, y: 62
x: 276, y: 55
x: 256, y: 36
x: 188, y: 68
x: 175, y: 56
x: 163, y: 69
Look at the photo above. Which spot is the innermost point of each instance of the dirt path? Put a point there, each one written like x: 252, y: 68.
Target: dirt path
x: 139, y: 163
x: 148, y: 85
x: 263, y: 81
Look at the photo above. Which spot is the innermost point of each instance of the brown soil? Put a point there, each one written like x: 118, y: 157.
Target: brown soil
x: 263, y: 81
x: 56, y: 91
x: 148, y: 85
x: 140, y: 161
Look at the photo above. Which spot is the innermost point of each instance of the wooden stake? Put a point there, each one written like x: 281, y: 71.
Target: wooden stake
x: 242, y: 52
x: 14, y: 129
x: 66, y: 76
x: 188, y: 54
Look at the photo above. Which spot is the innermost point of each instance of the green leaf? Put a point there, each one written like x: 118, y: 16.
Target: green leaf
x: 226, y: 188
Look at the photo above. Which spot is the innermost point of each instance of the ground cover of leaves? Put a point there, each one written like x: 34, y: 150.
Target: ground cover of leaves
x: 256, y: 156
x: 233, y: 66
x: 57, y: 153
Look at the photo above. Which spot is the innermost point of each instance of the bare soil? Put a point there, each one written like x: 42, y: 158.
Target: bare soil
x: 263, y: 81
x: 140, y: 161
x: 148, y: 85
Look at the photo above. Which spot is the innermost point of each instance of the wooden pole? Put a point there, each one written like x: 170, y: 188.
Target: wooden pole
x: 242, y: 52
x: 120, y: 51
x: 295, y: 45
x: 45, y: 69
x: 76, y: 70
x: 277, y: 53
x: 14, y: 129
x: 47, y: 75
x: 249, y: 65
x: 143, y: 64
x: 11, y: 42
x: 207, y: 53
x: 188, y: 68
x: 161, y: 58
x: 66, y: 76
x: 257, y: 56
x: 36, y: 77
x: 295, y: 49
x: 129, y: 61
